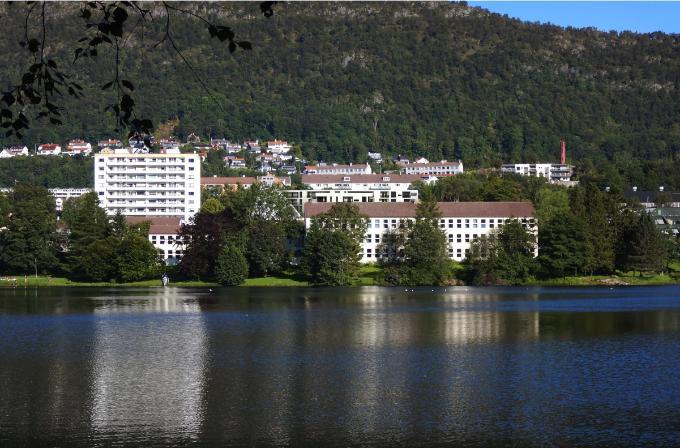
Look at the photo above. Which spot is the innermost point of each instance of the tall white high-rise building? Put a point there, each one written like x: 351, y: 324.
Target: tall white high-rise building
x: 148, y: 184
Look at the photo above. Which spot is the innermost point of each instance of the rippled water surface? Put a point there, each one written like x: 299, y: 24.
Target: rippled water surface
x: 340, y: 367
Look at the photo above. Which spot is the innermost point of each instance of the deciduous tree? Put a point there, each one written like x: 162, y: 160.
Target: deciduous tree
x: 231, y: 268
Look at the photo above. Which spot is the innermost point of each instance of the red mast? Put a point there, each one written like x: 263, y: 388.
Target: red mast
x: 563, y: 152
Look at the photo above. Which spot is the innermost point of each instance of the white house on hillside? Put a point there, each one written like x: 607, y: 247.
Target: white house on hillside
x: 278, y: 146
x: 14, y: 151
x: 49, y: 149
x: 78, y: 147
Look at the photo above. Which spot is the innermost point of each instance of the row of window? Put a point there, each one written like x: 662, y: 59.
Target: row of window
x: 169, y: 253
x: 383, y: 254
x: 467, y: 223
x: 161, y: 239
x: 459, y: 238
x: 147, y: 159
x: 168, y: 210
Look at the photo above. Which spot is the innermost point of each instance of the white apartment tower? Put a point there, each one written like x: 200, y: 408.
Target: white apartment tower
x: 148, y: 184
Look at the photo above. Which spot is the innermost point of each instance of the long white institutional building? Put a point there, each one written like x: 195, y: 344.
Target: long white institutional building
x: 148, y: 184
x: 463, y: 222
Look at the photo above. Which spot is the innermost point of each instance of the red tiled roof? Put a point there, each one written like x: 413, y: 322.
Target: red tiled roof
x: 160, y: 225
x: 227, y: 180
x: 448, y: 209
x: 359, y: 178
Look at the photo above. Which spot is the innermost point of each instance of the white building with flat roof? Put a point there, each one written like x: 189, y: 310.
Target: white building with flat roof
x: 359, y: 168
x: 554, y: 172
x: 298, y: 198
x: 61, y: 195
x: 463, y: 222
x: 148, y: 184
x: 442, y: 168
x: 390, y: 182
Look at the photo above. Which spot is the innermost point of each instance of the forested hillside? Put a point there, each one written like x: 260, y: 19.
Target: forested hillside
x: 436, y: 79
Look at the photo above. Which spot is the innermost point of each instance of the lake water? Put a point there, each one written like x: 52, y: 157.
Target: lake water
x: 340, y: 367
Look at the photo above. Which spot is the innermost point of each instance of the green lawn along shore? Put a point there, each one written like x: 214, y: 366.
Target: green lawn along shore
x: 370, y: 275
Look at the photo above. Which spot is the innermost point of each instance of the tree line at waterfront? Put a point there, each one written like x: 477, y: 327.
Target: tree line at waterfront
x: 255, y: 232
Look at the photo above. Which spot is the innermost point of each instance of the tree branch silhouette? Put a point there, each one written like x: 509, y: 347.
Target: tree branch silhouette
x: 105, y: 24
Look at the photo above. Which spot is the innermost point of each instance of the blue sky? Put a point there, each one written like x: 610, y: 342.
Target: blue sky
x: 639, y: 16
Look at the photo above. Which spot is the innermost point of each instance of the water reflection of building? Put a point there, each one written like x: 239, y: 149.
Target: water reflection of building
x: 399, y: 318
x: 148, y: 375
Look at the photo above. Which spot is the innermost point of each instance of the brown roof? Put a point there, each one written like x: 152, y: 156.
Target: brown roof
x: 448, y: 209
x: 227, y: 180
x: 359, y: 178
x: 160, y: 225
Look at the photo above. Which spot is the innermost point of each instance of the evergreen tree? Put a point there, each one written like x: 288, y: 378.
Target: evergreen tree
x: 231, y: 268
x: 87, y: 223
x: 601, y: 212
x: 642, y: 246
x: 564, y: 246
x: 28, y: 244
x: 506, y: 256
x: 5, y: 210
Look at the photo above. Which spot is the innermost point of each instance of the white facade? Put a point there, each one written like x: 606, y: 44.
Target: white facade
x: 300, y: 197
x: 442, y: 168
x: 463, y: 222
x: 148, y: 184
x: 14, y: 151
x: 62, y: 194
x: 375, y: 156
x: 554, y: 172
x: 163, y: 235
x: 170, y: 246
x: 389, y: 182
x: 49, y: 149
x: 278, y: 146
x: 339, y: 169
x: 78, y: 147
x: 109, y: 143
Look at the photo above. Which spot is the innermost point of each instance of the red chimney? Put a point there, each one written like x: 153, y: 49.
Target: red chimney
x: 563, y: 152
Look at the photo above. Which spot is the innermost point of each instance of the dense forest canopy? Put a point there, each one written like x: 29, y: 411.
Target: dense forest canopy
x: 442, y: 80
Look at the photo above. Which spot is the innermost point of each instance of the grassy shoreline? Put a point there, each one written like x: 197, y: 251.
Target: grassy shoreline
x: 370, y: 275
